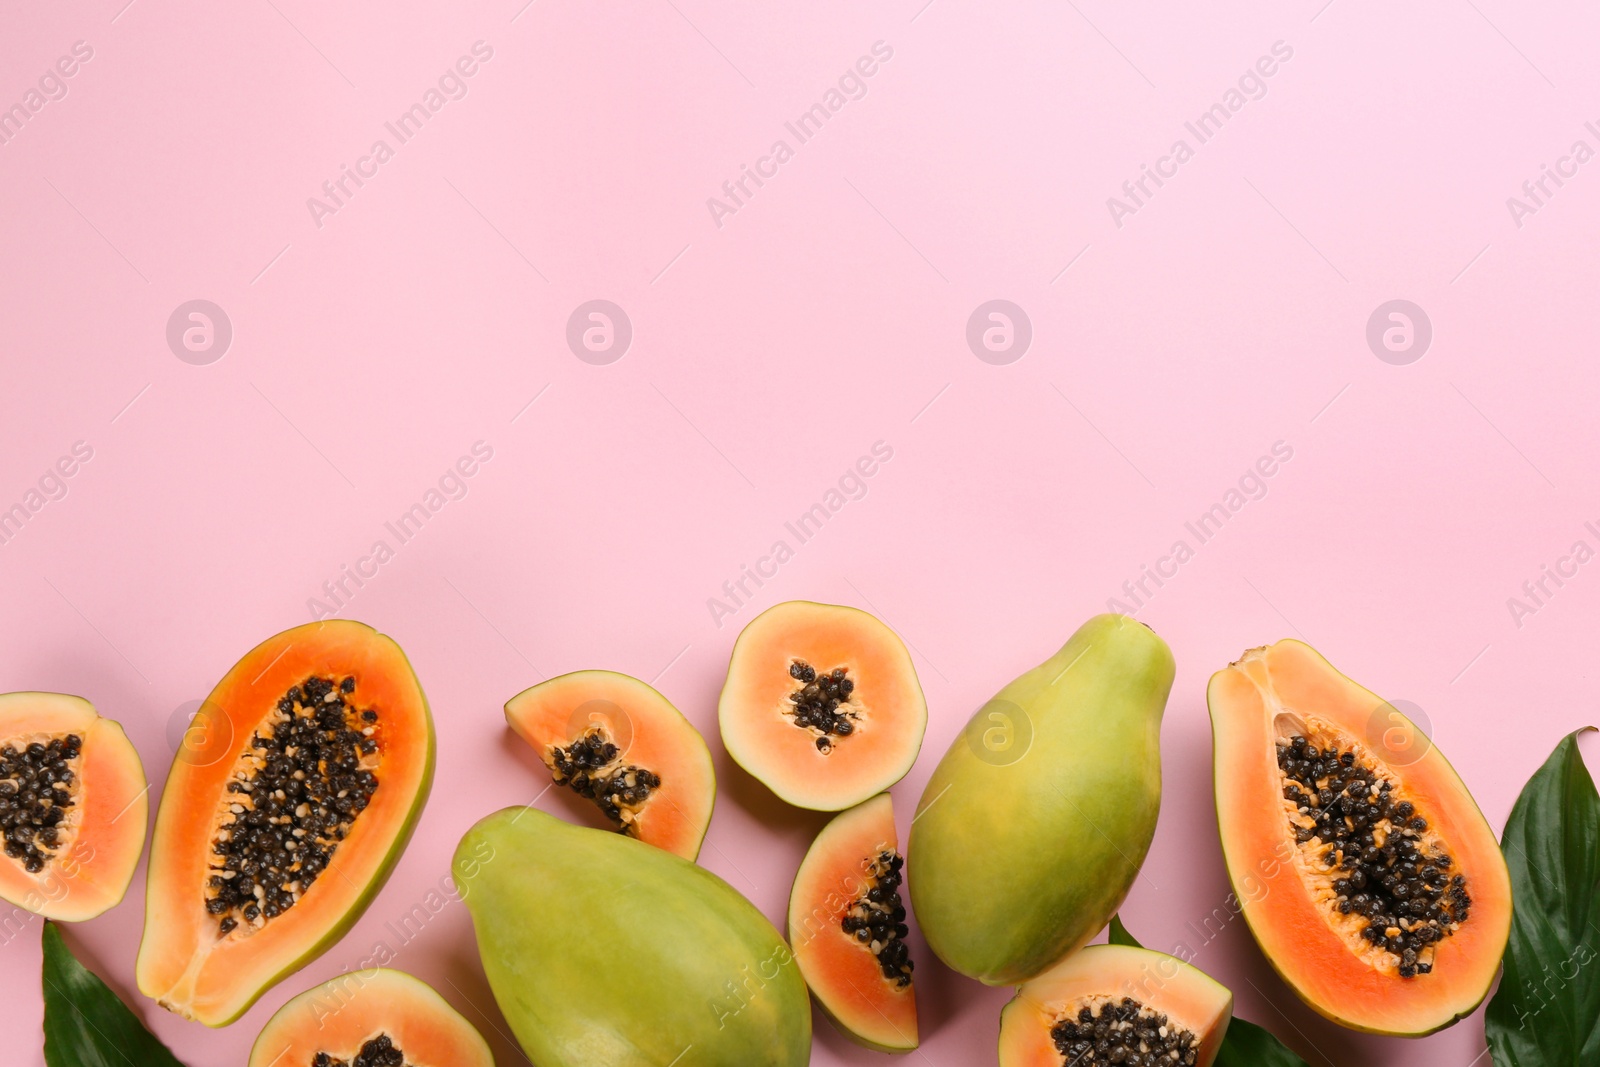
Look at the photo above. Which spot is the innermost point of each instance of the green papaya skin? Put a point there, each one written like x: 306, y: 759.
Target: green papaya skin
x: 603, y: 951
x: 1036, y: 821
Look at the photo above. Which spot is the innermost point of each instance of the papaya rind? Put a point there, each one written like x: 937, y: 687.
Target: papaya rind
x: 1064, y: 824
x: 674, y: 958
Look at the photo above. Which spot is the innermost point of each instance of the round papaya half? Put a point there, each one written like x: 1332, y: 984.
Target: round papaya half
x: 1363, y: 866
x: 288, y: 803
x: 616, y: 741
x: 376, y: 1018
x: 847, y: 925
x: 822, y: 704
x: 1112, y: 1004
x: 72, y: 806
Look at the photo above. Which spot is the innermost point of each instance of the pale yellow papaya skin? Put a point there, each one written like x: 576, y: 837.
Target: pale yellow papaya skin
x: 603, y: 951
x: 1036, y: 821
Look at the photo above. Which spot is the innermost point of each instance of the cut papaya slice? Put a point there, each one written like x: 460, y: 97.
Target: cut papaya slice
x: 285, y: 810
x: 73, y: 809
x: 1111, y: 1004
x: 822, y: 705
x: 1364, y: 868
x: 376, y: 1018
x: 614, y: 740
x: 847, y: 924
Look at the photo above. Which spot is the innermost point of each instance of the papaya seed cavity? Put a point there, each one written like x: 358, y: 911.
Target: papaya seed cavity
x: 592, y: 768
x: 1125, y: 1032
x: 37, y: 796
x: 817, y: 702
x: 1386, y: 879
x: 307, y: 774
x: 378, y: 1052
x: 877, y: 919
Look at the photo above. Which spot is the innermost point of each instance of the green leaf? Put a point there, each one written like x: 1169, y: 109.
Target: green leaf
x: 1547, y: 1011
x: 1246, y: 1044
x: 85, y: 1024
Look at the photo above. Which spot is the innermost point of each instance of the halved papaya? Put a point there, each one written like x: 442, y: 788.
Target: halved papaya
x: 613, y: 739
x: 1112, y: 1004
x: 822, y: 704
x: 376, y: 1018
x: 285, y: 810
x: 847, y: 925
x: 1363, y: 866
x: 73, y: 809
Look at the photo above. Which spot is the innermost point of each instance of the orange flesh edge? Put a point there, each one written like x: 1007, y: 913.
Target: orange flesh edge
x: 1290, y: 924
x: 182, y: 962
x: 1159, y: 982
x: 842, y: 973
x: 659, y: 739
x: 340, y: 1016
x: 755, y: 707
x: 92, y: 867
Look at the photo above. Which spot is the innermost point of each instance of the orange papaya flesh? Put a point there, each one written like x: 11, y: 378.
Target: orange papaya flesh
x: 73, y: 809
x: 616, y: 741
x: 1364, y: 868
x: 1114, y: 1004
x: 377, y: 1017
x: 822, y: 704
x: 286, y: 809
x: 847, y: 924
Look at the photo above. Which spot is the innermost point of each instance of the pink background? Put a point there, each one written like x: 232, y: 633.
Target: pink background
x: 828, y: 313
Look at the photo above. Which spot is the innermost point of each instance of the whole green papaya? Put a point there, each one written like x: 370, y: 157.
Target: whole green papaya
x: 603, y: 951
x: 1036, y: 821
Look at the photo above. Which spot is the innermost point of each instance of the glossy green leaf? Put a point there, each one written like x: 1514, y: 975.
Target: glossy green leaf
x: 1246, y: 1044
x: 1118, y: 935
x: 85, y: 1024
x: 1547, y: 1010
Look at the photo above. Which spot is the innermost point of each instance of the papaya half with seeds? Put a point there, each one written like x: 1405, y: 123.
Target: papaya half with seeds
x: 73, y: 809
x: 1112, y: 1004
x: 848, y: 927
x: 603, y: 951
x: 286, y: 808
x: 616, y: 741
x: 1362, y: 865
x: 370, y: 1018
x: 822, y: 705
x: 1056, y: 784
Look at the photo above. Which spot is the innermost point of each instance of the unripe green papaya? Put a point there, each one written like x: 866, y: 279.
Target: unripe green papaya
x: 1037, y: 819
x: 603, y: 951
